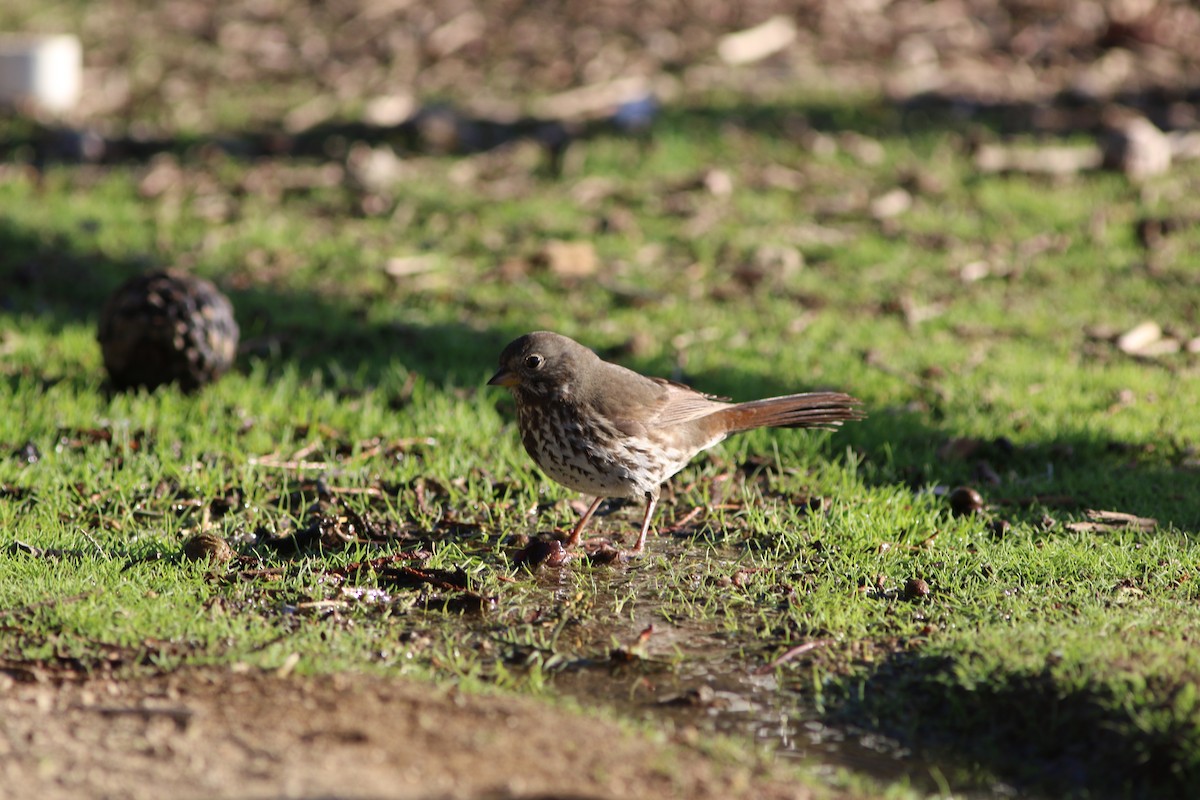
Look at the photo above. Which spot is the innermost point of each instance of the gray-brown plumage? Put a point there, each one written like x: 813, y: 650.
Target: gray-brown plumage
x: 165, y: 327
x: 608, y: 431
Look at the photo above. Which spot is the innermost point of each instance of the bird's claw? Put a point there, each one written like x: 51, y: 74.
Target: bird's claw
x: 549, y: 552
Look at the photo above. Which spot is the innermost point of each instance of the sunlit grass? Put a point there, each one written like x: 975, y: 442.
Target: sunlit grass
x: 373, y: 385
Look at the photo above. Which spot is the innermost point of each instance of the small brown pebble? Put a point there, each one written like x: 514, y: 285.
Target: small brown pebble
x: 965, y: 501
x: 915, y: 589
x: 207, y: 546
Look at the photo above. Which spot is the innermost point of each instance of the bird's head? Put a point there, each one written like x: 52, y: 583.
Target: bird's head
x: 541, y: 365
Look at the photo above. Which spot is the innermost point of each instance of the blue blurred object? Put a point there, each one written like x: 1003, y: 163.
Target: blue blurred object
x: 637, y: 115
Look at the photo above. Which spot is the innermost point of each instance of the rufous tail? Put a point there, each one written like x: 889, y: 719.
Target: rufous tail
x: 813, y: 410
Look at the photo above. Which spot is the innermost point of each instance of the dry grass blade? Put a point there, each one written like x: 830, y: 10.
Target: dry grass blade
x: 1101, y: 521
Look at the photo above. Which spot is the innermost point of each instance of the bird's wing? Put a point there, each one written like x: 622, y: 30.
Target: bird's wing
x: 682, y: 403
x: 666, y: 405
x: 636, y: 404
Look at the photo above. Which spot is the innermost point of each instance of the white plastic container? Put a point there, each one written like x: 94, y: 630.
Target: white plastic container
x: 43, y: 71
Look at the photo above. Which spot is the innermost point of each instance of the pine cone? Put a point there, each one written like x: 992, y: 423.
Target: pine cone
x: 167, y: 326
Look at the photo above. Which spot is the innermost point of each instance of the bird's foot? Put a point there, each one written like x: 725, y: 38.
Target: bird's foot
x: 549, y: 552
x: 606, y: 553
x: 553, y: 552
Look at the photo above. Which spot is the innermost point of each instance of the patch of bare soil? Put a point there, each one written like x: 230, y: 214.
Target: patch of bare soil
x: 222, y: 734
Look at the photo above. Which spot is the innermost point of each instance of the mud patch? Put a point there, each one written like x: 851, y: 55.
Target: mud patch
x: 218, y: 734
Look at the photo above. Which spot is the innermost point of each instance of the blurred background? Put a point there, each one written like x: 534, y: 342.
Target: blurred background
x: 183, y: 67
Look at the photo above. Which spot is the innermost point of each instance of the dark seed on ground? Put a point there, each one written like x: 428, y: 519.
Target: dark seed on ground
x: 915, y: 589
x: 207, y: 546
x: 965, y: 501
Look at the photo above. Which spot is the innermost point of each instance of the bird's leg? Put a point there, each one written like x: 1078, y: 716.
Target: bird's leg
x: 577, y: 532
x: 651, y: 502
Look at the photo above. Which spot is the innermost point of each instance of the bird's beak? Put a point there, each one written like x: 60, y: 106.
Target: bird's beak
x: 505, y: 377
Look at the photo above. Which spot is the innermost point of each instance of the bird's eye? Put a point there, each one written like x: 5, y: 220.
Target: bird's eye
x: 534, y: 361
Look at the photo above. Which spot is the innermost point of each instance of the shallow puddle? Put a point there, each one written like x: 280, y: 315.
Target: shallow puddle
x: 716, y: 692
x: 696, y: 676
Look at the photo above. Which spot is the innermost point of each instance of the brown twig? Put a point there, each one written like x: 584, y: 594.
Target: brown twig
x: 682, y: 522
x: 788, y: 655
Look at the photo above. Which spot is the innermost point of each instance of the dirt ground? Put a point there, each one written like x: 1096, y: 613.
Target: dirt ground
x: 225, y: 734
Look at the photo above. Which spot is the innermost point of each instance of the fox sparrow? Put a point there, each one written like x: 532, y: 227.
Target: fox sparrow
x: 607, y: 431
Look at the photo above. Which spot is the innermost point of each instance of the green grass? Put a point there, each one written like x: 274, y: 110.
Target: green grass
x: 1027, y: 640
